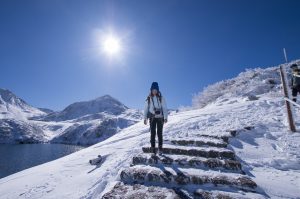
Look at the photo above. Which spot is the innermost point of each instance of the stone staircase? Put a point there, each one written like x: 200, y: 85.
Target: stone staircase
x: 189, y: 168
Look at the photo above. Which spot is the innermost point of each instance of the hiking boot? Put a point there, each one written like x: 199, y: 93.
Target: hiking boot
x: 153, y: 152
x: 160, y: 151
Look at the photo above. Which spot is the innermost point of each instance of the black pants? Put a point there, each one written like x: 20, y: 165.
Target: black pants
x: 156, y: 126
x: 295, y: 91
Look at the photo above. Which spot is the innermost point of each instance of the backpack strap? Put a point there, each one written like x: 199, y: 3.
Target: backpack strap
x: 296, y: 75
x: 159, y: 98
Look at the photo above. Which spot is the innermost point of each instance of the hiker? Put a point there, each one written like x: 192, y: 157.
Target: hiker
x: 294, y: 67
x: 157, y: 113
x: 295, y: 83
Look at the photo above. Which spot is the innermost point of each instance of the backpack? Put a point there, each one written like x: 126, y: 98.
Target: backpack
x: 149, y: 114
x: 296, y: 80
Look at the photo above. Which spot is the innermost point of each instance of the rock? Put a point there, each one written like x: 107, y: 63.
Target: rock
x: 199, y: 143
x: 156, y: 176
x: 96, y: 161
x: 249, y: 128
x: 252, y: 98
x: 233, y: 132
x: 226, y: 154
x: 224, y: 138
x: 137, y: 191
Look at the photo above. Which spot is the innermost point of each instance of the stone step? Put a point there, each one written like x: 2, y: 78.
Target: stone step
x: 185, y: 177
x: 138, y: 191
x: 212, y: 194
x: 187, y: 161
x: 207, y: 152
x: 225, y: 138
x: 205, y: 141
x: 132, y: 191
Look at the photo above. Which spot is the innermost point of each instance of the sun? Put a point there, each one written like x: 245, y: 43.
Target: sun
x: 111, y: 45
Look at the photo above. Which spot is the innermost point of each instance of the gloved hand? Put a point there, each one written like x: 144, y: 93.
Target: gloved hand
x: 145, y: 121
x: 165, y: 120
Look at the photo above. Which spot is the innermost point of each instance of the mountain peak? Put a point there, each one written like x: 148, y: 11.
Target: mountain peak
x: 105, y: 97
x: 105, y: 103
x: 108, y: 98
x: 6, y: 96
x: 5, y: 92
x: 13, y: 106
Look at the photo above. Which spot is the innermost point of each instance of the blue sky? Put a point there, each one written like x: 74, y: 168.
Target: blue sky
x: 49, y: 48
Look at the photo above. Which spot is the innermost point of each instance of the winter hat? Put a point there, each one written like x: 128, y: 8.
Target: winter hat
x: 154, y: 86
x: 293, y: 66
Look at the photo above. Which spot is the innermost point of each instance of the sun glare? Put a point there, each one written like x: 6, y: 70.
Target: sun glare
x: 111, y: 45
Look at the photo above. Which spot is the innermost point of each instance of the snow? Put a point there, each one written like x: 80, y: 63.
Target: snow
x: 76, y: 110
x: 14, y: 107
x: 202, y: 139
x: 73, y: 176
x: 268, y: 151
x: 262, y: 150
x: 171, y: 146
x: 81, y: 123
x: 282, y: 184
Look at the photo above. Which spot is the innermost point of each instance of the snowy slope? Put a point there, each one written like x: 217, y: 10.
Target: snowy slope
x: 269, y: 153
x: 247, y: 84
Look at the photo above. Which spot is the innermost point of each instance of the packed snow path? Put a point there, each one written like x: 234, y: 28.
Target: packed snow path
x: 203, y: 167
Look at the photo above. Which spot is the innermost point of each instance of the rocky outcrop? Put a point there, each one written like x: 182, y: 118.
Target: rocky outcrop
x: 19, y: 132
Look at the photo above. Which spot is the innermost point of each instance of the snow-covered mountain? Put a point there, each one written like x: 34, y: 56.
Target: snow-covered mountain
x: 14, y: 127
x: 46, y: 110
x: 92, y: 128
x: 12, y: 106
x: 248, y: 126
x: 89, y: 122
x: 76, y: 110
x: 83, y: 123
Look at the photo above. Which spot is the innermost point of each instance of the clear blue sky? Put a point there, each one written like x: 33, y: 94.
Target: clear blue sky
x: 48, y: 48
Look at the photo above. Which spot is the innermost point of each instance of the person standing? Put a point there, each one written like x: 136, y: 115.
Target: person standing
x: 156, y: 111
x: 294, y: 67
x: 295, y: 83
